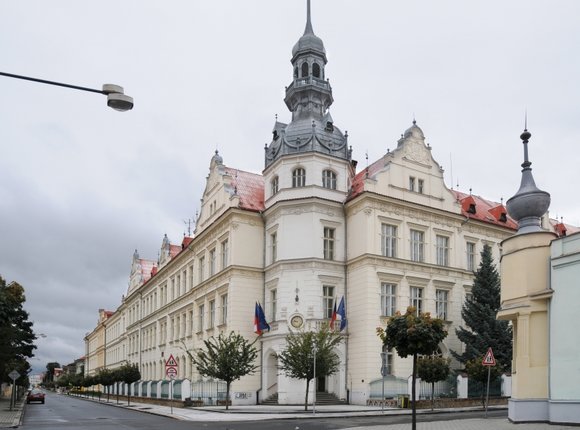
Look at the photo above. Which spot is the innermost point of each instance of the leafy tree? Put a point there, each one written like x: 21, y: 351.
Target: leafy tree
x: 227, y: 358
x: 478, y: 372
x: 479, y: 313
x: 16, y: 335
x: 297, y: 360
x: 49, y: 374
x: 128, y: 373
x: 433, y: 369
x: 413, y: 334
x: 106, y: 378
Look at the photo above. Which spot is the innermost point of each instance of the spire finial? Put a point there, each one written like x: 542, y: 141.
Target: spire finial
x: 308, y: 29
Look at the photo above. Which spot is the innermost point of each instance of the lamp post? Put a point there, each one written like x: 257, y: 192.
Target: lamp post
x: 315, y: 350
x: 116, y: 98
x: 383, y: 373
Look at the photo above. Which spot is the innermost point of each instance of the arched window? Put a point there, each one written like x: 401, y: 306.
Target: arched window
x: 274, y: 185
x: 329, y: 179
x: 304, y: 70
x: 298, y: 177
x: 296, y: 71
x: 316, y: 70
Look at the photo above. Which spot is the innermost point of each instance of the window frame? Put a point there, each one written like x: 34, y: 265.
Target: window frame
x: 388, y: 240
x: 388, y: 299
x: 442, y: 250
x: 416, y: 300
x: 442, y: 304
x: 470, y: 256
x: 417, y: 245
x: 328, y: 297
x: 274, y: 185
x: 329, y: 240
x: 329, y: 179
x: 299, y: 177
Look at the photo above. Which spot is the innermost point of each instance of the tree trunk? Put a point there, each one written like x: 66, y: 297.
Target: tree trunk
x: 306, y: 399
x: 413, y: 393
x: 432, y: 394
x: 227, y: 395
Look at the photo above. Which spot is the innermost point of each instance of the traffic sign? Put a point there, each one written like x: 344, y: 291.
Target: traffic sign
x: 489, y: 359
x: 14, y: 375
x: 171, y: 372
x: 171, y: 362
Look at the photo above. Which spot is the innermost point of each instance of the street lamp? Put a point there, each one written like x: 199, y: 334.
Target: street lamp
x: 116, y: 98
x: 315, y: 350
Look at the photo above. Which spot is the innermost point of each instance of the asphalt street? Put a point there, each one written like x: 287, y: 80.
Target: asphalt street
x: 65, y: 412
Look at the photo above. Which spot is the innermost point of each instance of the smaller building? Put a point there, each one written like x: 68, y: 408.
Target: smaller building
x: 539, y: 295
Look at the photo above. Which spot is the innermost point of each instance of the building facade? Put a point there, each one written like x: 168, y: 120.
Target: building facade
x: 307, y: 232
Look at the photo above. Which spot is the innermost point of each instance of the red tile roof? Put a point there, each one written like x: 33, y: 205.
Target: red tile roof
x: 146, y: 268
x: 174, y: 250
x: 249, y: 187
x: 485, y: 210
x: 358, y: 183
x: 186, y: 241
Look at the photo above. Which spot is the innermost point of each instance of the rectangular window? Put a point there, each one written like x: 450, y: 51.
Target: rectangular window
x: 173, y: 295
x: 200, y: 318
x: 417, y: 299
x: 441, y: 304
x: 388, y: 360
x: 225, y: 252
x: 388, y: 299
x: 389, y: 240
x: 212, y: 262
x: 328, y: 243
x: 411, y: 183
x: 274, y: 244
x: 224, y: 309
x: 417, y: 245
x: 184, y: 281
x: 420, y: 186
x: 442, y: 248
x: 178, y: 286
x: 190, y: 328
x: 201, y: 268
x: 274, y: 185
x: 211, y: 313
x: 471, y: 256
x: 298, y: 178
x: 329, y: 179
x: 327, y: 301
x: 273, y: 304
x: 190, y: 277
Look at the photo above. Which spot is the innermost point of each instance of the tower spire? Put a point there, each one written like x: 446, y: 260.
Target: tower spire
x: 308, y: 29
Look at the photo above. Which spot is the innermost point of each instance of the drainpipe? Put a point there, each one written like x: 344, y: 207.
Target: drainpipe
x: 263, y: 301
x: 345, y: 294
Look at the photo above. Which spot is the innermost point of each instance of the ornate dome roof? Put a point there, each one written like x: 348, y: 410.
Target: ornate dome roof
x: 309, y: 41
x: 530, y: 203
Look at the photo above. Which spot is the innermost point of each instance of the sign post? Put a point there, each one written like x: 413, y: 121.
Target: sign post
x: 171, y: 371
x: 384, y: 372
x: 489, y: 361
x: 14, y: 375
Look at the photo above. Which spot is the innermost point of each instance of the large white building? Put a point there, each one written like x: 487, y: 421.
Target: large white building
x: 305, y: 233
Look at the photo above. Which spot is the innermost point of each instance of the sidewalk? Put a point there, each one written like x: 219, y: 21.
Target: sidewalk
x: 11, y: 418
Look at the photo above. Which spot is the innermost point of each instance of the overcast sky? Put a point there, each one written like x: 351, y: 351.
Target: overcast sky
x: 83, y: 186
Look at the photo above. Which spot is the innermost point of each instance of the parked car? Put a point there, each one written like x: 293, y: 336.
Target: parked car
x: 35, y: 396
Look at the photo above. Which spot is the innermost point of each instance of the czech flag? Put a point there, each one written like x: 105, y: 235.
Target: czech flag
x: 341, y: 311
x: 260, y: 323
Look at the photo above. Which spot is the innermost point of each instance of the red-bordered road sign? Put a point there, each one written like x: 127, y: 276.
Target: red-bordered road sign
x: 171, y: 362
x: 171, y: 372
x: 489, y: 359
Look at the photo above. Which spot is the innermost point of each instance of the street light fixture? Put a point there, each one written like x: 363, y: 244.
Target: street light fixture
x: 116, y: 98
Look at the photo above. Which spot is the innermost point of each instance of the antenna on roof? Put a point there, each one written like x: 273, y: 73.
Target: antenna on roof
x: 451, y: 169
x: 367, y: 169
x: 276, y: 117
x: 188, y: 222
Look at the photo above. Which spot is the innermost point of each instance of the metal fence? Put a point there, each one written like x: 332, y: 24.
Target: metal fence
x: 393, y: 387
x: 208, y: 391
x: 478, y: 389
x: 441, y: 389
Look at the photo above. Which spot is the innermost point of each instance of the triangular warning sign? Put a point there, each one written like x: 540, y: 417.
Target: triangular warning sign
x: 171, y: 362
x: 489, y: 359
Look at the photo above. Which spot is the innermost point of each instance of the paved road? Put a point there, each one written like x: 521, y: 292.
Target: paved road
x: 64, y: 412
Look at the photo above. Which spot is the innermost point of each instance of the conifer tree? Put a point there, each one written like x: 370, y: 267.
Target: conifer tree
x: 16, y: 334
x: 482, y: 330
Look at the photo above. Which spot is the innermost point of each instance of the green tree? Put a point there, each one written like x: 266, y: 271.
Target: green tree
x: 478, y: 372
x: 16, y: 335
x: 49, y: 374
x: 297, y: 359
x: 433, y: 369
x: 227, y: 358
x: 128, y: 373
x: 106, y: 378
x: 413, y: 334
x: 479, y: 313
